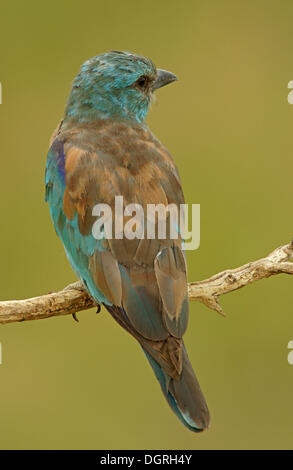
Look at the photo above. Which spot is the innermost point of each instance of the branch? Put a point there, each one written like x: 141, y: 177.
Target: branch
x: 209, y: 290
x: 74, y: 298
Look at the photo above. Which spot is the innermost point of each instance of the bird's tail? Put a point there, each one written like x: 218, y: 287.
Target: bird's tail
x: 184, y: 394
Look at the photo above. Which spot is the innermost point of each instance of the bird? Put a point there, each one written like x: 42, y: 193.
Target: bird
x: 103, y: 149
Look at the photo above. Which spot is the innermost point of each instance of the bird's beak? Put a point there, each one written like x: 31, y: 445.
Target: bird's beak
x: 163, y: 78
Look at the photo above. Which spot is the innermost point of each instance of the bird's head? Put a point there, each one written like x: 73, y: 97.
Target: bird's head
x: 115, y: 85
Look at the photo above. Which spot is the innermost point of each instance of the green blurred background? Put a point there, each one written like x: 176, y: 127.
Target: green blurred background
x: 228, y: 124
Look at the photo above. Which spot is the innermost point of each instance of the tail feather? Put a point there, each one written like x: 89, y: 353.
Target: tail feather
x: 184, y: 395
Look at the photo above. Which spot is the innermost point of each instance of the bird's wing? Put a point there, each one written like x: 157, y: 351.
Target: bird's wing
x: 143, y: 281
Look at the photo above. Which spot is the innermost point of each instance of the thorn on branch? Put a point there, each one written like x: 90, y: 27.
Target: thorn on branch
x: 212, y: 302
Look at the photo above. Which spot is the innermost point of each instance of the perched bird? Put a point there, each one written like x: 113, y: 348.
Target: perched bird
x: 102, y: 149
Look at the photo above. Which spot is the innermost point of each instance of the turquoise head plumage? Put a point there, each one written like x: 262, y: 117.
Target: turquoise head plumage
x: 115, y: 85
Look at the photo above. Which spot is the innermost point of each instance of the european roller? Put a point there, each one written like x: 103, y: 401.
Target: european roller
x: 101, y: 150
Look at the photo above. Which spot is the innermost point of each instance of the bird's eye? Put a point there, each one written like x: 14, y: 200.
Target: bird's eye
x: 141, y: 82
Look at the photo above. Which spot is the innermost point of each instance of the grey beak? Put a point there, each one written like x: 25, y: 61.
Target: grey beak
x: 163, y: 78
